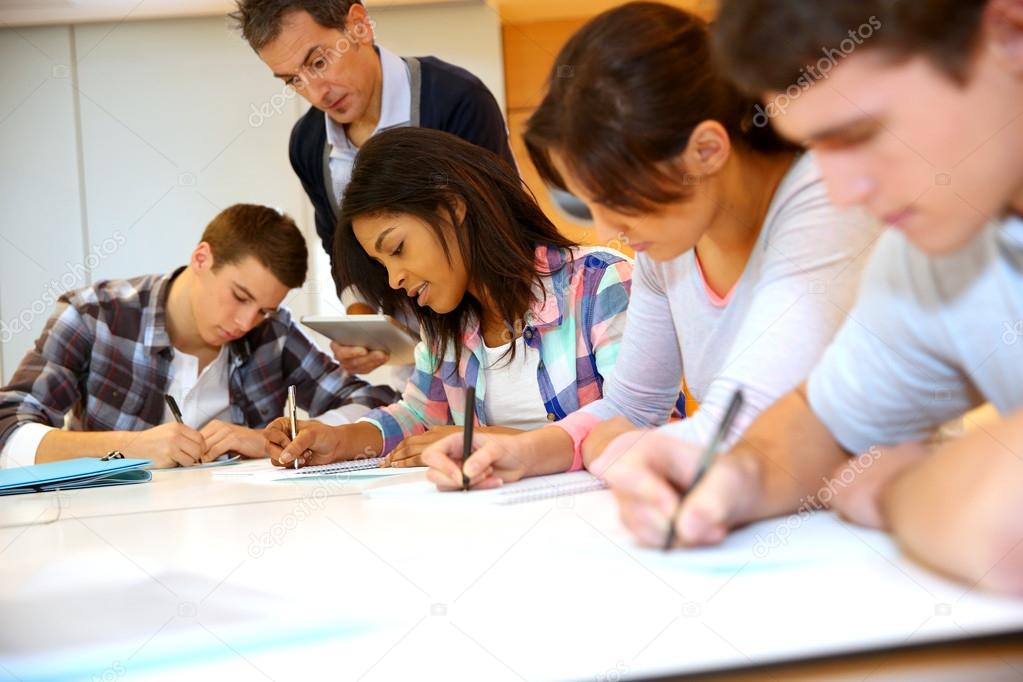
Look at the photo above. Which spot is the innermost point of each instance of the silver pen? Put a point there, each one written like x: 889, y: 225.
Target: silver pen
x: 292, y: 408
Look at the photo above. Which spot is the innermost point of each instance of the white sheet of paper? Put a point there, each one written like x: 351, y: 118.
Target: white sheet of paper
x: 526, y: 490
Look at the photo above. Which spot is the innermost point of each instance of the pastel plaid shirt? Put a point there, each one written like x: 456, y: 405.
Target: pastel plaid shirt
x: 105, y: 356
x: 577, y: 330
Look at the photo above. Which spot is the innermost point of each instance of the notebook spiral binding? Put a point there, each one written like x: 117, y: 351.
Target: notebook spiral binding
x: 341, y: 467
x: 546, y: 491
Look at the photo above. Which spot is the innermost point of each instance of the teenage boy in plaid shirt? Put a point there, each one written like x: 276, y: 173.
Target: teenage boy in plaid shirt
x: 210, y: 334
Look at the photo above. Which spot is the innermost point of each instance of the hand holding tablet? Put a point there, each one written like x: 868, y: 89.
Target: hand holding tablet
x: 372, y: 332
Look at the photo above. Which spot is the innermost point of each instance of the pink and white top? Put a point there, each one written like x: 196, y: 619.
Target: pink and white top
x: 765, y: 335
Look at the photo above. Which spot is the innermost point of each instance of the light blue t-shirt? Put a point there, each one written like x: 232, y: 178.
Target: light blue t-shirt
x: 929, y: 339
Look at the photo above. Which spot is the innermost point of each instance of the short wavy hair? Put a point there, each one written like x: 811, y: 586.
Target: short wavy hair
x: 260, y: 21
x: 766, y: 45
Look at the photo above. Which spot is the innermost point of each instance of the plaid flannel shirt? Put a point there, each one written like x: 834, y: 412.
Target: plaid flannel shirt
x: 105, y: 356
x: 577, y: 329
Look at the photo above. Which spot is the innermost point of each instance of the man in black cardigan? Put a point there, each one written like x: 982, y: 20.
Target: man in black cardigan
x: 325, y: 50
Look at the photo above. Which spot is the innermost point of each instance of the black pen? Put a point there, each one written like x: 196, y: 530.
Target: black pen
x: 708, y: 456
x: 173, y: 405
x: 470, y: 418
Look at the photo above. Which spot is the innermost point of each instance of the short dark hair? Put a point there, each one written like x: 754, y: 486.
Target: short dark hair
x: 426, y: 173
x: 623, y: 98
x: 270, y: 237
x: 767, y: 45
x: 260, y: 20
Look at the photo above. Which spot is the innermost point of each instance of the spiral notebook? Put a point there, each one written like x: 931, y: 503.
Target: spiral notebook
x: 338, y: 467
x: 526, y: 490
x: 358, y: 468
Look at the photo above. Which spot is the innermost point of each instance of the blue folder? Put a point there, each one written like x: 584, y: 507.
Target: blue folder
x: 84, y: 472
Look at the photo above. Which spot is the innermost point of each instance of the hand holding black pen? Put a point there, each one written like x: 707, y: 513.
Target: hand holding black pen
x: 470, y: 419
x: 172, y: 405
x: 705, y: 461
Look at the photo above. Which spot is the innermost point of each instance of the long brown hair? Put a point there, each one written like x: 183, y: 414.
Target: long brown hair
x: 623, y: 97
x: 430, y: 174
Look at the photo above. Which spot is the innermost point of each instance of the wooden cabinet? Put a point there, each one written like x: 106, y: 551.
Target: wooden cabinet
x: 532, y: 40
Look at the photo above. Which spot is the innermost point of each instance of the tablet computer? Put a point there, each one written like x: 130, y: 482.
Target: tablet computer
x: 375, y: 332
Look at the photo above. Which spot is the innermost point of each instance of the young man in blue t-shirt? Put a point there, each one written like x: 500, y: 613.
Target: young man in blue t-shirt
x: 913, y: 111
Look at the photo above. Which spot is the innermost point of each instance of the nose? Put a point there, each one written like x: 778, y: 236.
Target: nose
x: 317, y: 91
x: 846, y: 177
x: 247, y: 319
x: 395, y: 278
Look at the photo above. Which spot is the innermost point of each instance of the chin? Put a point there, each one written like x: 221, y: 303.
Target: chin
x: 340, y: 119
x: 350, y: 115
x: 442, y: 307
x: 441, y: 310
x: 213, y: 338
x: 938, y: 242
x: 663, y: 253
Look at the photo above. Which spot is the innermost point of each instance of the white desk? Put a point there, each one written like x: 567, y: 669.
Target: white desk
x: 214, y: 578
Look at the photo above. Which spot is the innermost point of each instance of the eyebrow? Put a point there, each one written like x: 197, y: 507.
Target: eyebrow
x: 383, y: 234
x: 840, y: 129
x: 244, y: 290
x: 249, y: 294
x: 305, y: 61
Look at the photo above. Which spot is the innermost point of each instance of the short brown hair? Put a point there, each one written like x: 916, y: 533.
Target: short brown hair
x: 767, y: 45
x: 270, y: 237
x: 260, y: 20
x: 625, y: 94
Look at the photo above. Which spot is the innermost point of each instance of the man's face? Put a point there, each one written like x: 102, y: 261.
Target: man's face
x: 231, y: 300
x: 927, y: 155
x: 336, y: 71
